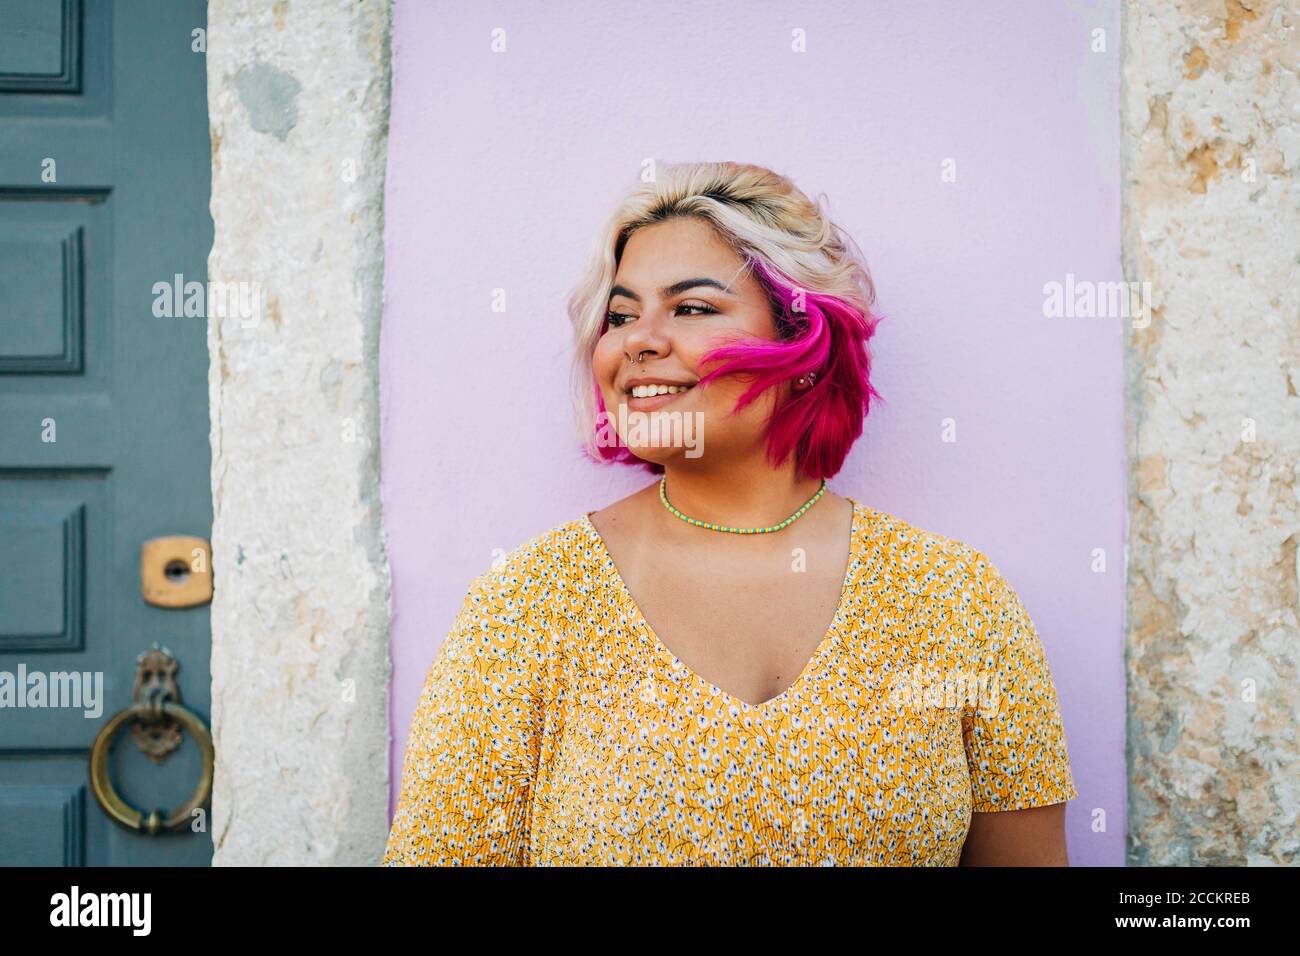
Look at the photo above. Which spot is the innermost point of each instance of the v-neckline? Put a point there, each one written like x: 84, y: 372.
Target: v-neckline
x: 829, y: 640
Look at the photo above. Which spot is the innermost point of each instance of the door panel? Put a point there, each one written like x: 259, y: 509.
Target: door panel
x: 104, y: 190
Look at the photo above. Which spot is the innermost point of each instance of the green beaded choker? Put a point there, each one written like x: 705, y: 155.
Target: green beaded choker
x: 663, y: 496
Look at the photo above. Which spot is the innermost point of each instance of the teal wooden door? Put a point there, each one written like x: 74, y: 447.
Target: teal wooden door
x: 104, y: 188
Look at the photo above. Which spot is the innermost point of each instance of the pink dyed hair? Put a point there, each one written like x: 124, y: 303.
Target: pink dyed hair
x: 819, y: 333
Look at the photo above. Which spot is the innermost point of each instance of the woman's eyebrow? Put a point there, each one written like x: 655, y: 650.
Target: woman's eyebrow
x: 671, y: 290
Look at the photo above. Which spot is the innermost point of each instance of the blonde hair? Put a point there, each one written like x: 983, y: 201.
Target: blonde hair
x: 792, y: 245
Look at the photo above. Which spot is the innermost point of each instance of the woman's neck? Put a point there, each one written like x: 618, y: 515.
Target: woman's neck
x: 748, y: 498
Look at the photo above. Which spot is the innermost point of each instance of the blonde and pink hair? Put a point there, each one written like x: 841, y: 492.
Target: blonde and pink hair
x: 815, y: 278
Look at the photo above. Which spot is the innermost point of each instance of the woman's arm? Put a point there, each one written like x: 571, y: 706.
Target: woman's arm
x: 472, y: 753
x: 1034, y: 836
x: 1015, y: 744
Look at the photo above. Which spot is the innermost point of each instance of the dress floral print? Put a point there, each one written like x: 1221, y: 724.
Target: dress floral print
x: 555, y: 728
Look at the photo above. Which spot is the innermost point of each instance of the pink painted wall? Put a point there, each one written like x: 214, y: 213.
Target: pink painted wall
x: 501, y: 166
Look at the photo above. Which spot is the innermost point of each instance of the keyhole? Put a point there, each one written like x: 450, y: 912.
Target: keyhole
x: 177, y: 571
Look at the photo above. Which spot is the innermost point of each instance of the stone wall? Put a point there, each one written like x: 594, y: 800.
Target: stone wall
x: 1211, y: 197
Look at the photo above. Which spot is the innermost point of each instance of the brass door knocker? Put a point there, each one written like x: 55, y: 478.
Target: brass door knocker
x: 157, y: 719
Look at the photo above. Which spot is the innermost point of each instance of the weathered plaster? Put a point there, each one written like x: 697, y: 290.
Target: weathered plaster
x: 1211, y: 198
x: 298, y: 95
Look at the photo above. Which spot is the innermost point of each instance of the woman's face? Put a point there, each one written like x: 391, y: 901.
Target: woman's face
x: 676, y: 296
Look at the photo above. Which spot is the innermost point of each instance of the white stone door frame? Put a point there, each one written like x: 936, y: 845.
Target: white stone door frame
x: 298, y: 100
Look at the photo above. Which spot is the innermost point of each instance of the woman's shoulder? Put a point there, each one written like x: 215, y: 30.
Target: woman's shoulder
x: 921, y: 560
x: 542, y: 566
x: 947, y: 587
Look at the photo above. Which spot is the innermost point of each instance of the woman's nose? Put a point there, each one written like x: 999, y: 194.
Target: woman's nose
x: 646, y: 335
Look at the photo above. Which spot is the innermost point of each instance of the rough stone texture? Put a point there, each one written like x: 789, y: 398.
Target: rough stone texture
x: 1211, y: 200
x: 298, y: 95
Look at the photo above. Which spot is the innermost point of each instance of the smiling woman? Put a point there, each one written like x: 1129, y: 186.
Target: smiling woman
x: 707, y: 671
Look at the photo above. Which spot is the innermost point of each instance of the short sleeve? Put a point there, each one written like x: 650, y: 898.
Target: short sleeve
x: 472, y: 751
x: 1014, y: 735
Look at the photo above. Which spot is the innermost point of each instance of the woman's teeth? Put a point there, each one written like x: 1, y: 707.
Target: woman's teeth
x: 648, y: 391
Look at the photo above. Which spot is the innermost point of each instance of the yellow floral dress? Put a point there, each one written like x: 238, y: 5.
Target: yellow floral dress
x: 555, y: 728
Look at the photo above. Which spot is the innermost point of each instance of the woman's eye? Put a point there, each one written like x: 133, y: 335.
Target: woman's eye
x: 699, y: 307
x: 619, y: 319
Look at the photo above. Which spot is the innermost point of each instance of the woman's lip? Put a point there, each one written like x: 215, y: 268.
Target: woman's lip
x: 654, y: 401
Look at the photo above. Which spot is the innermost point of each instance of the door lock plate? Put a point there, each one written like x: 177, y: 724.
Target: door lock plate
x: 176, y: 571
